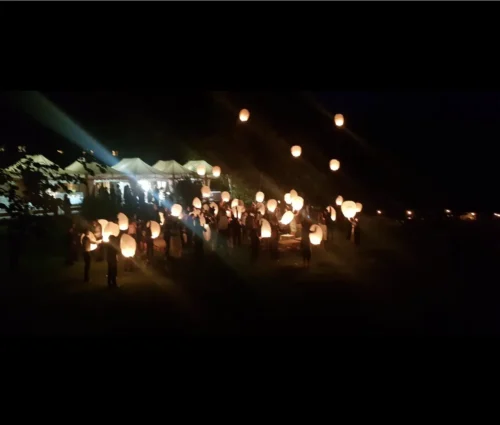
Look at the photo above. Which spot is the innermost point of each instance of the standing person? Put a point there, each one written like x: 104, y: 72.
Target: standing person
x: 222, y: 231
x: 149, y: 243
x: 357, y: 232
x: 330, y: 227
x: 275, y: 236
x: 236, y: 231
x: 86, y: 256
x: 198, y: 239
x: 167, y: 233
x: 305, y: 243
x: 254, y: 240
x: 112, y: 257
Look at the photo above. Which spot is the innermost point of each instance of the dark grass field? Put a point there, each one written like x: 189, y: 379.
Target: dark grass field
x: 417, y: 279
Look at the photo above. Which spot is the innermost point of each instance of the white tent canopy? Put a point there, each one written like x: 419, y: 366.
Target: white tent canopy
x: 173, y: 169
x: 101, y: 172
x: 191, y: 166
x: 139, y: 169
x: 53, y: 173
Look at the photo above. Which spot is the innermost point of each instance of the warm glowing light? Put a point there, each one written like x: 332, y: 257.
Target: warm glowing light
x: 265, y: 229
x: 297, y: 203
x: 197, y: 203
x: 339, y: 120
x: 296, y: 151
x: 155, y: 229
x: 234, y: 203
x: 261, y: 208
x: 333, y: 213
x: 473, y: 214
x: 379, y: 212
x: 293, y: 194
x: 228, y: 213
x: 110, y: 229
x: 272, y: 205
x: 259, y: 196
x: 114, y: 153
x: 215, y: 207
x: 244, y: 115
x: 207, y: 234
x: 334, y: 164
x: 201, y: 170
x: 349, y: 209
x: 288, y: 198
x: 128, y: 245
x: 316, y: 235
x: 409, y: 212
x: 103, y: 224
x: 339, y: 201
x: 60, y: 151
x: 205, y: 192
x: 146, y: 185
x: 216, y: 171
x: 359, y: 207
x: 176, y: 210
x: 447, y: 211
x: 496, y: 214
x: 287, y: 218
x: 226, y: 196
x: 122, y: 222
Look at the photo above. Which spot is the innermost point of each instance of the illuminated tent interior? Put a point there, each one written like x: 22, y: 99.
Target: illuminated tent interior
x: 136, y: 167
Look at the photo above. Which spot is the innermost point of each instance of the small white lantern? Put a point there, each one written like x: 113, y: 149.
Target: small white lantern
x: 287, y: 218
x: 333, y: 213
x: 259, y: 196
x: 122, y: 221
x: 272, y: 205
x: 176, y: 210
x: 228, y: 213
x: 197, y: 203
x: 359, y: 207
x: 317, y: 234
x: 216, y: 171
x: 225, y: 196
x: 339, y: 201
x: 339, y: 120
x: 205, y: 192
x: 234, y: 203
x: 201, y: 170
x: 296, y: 151
x: 297, y: 203
x: 111, y: 229
x: 349, y: 209
x: 215, y: 207
x: 288, y: 198
x: 265, y: 229
x: 261, y: 208
x: 128, y: 246
x: 103, y: 224
x: 244, y: 115
x: 155, y: 229
x: 334, y: 164
x: 293, y: 194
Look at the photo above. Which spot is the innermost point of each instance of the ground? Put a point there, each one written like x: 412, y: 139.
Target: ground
x: 403, y: 279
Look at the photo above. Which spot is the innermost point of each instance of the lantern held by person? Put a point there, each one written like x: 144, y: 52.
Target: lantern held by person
x: 205, y: 191
x: 293, y: 194
x: 296, y: 151
x: 122, y: 222
x: 339, y: 120
x: 349, y: 209
x: 128, y: 246
x: 197, y: 203
x: 155, y: 229
x: 272, y: 205
x: 259, y: 196
x: 287, y: 218
x: 297, y: 203
x: 234, y: 203
x: 111, y: 229
x: 261, y: 208
x: 265, y: 229
x: 216, y: 171
x: 339, y: 201
x: 201, y: 170
x: 176, y: 210
x: 359, y: 207
x: 241, y: 210
x: 288, y: 198
x: 316, y: 234
x: 103, y: 224
x: 334, y: 164
x: 244, y: 115
x: 225, y: 196
x: 333, y: 213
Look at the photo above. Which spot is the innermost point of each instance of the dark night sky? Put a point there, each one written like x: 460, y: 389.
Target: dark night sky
x: 419, y: 149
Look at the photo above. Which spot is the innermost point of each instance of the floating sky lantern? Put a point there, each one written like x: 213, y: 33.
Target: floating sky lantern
x: 339, y: 201
x: 272, y: 205
x: 334, y: 164
x: 155, y: 229
x: 379, y: 212
x: 333, y: 213
x: 288, y: 198
x: 265, y: 229
x: 225, y: 196
x: 259, y: 196
x: 234, y: 203
x: 122, y: 222
x: 296, y: 151
x: 128, y: 245
x: 359, y: 207
x: 447, y: 211
x: 244, y: 115
x: 287, y: 218
x: 201, y: 170
x: 348, y: 209
x: 297, y: 203
x: 409, y: 213
x: 339, y: 120
x: 197, y: 203
x: 315, y: 234
x: 205, y: 191
x: 111, y: 229
x: 216, y: 171
x: 176, y: 210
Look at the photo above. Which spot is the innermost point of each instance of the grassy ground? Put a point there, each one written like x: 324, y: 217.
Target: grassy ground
x: 402, y: 279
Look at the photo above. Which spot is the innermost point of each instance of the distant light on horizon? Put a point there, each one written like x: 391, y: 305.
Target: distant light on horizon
x: 447, y: 211
x: 379, y: 212
x: 409, y: 212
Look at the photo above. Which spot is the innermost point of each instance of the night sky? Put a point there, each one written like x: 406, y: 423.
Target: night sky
x: 413, y: 150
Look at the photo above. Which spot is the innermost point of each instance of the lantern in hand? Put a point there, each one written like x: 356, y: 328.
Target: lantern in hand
x: 176, y: 210
x: 225, y: 196
x: 272, y: 205
x: 128, y: 246
x: 287, y: 218
x: 316, y: 234
x: 216, y: 171
x: 122, y: 222
x: 334, y: 164
x: 265, y: 229
x: 111, y: 229
x: 205, y: 192
x: 349, y: 209
x: 359, y: 207
x: 155, y: 229
x: 197, y: 203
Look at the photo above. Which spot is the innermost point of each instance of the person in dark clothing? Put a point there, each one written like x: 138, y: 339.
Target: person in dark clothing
x: 198, y: 239
x: 357, y: 233
x: 351, y: 228
x: 330, y: 226
x: 86, y: 256
x: 112, y: 258
x: 235, y: 231
x: 71, y: 246
x: 167, y: 232
x: 149, y: 243
x: 305, y: 243
x: 275, y: 237
x: 254, y: 240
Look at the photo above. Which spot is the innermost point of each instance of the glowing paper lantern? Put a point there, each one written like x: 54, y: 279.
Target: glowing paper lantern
x: 197, y: 203
x: 103, y: 224
x: 225, y: 196
x: 297, y: 203
x: 215, y: 207
x: 234, y: 204
x: 122, y: 221
x: 333, y: 213
x: 287, y: 218
x: 162, y: 218
x: 293, y: 194
x: 155, y: 229
x: 288, y: 198
x: 229, y: 212
x: 317, y: 234
x: 272, y: 205
x: 265, y: 229
x: 349, y: 209
x: 216, y: 171
x: 128, y: 245
x: 208, y: 232
x: 259, y: 196
x: 339, y: 120
x: 296, y: 151
x: 111, y: 229
x: 92, y: 239
x: 235, y: 212
x: 244, y: 115
x: 339, y: 201
x: 334, y: 164
x: 205, y: 192
x: 261, y: 208
x: 359, y: 206
x: 176, y: 210
x: 93, y: 246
